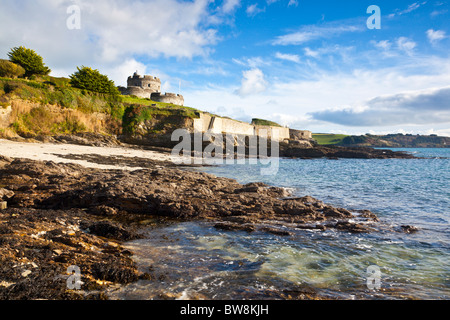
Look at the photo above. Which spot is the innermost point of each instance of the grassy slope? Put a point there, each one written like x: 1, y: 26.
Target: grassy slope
x: 262, y: 122
x: 325, y: 138
x: 58, y: 92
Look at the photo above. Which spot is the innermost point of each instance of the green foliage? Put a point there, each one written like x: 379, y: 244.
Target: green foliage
x: 354, y: 140
x: 92, y: 80
x: 37, y: 121
x: 324, y: 139
x: 262, y: 122
x: 10, y: 70
x: 69, y: 126
x: 29, y: 60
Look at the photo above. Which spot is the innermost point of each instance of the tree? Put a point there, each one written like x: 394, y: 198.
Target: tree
x: 92, y: 80
x: 10, y: 70
x: 29, y: 60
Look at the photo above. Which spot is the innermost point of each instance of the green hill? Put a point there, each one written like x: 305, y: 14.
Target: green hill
x: 383, y: 141
x: 327, y: 138
x: 49, y: 106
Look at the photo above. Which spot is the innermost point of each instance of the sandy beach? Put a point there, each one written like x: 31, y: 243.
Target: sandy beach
x: 54, y: 152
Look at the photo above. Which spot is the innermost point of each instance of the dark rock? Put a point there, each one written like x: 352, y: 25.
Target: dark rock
x: 352, y: 227
x: 229, y: 226
x: 276, y: 231
x: 311, y: 227
x: 409, y: 229
x: 109, y: 230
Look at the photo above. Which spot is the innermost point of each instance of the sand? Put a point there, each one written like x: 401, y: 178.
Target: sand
x: 50, y: 152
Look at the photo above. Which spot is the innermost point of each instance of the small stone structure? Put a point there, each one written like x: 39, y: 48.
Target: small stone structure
x: 149, y: 87
x: 300, y: 134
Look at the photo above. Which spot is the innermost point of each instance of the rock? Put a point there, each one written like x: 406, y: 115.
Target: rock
x: 105, y: 211
x: 108, y: 230
x: 229, y: 226
x: 3, y: 205
x: 336, y: 152
x: 311, y: 227
x: 352, y: 227
x: 276, y: 231
x: 409, y: 229
x: 26, y: 273
x: 6, y: 194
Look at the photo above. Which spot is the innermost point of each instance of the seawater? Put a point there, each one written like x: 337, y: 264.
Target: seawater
x: 194, y: 260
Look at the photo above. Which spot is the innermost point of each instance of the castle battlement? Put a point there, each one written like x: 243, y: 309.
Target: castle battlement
x: 168, y: 98
x: 149, y: 87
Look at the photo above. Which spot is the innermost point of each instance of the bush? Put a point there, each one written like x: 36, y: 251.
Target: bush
x: 92, y: 80
x: 29, y: 60
x: 10, y: 70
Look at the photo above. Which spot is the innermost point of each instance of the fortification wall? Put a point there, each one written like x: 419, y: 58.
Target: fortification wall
x: 237, y: 127
x: 147, y: 83
x: 280, y: 133
x: 207, y: 122
x: 168, y: 98
x: 136, y: 91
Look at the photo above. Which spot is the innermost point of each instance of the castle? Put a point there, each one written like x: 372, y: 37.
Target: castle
x: 149, y: 87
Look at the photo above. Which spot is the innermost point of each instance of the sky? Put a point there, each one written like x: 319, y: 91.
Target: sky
x: 324, y: 66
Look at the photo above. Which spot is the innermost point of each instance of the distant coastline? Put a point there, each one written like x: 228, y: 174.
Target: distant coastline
x: 398, y: 140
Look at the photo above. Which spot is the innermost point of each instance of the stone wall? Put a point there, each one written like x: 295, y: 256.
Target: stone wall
x: 136, y: 91
x: 280, y: 133
x: 300, y: 134
x: 173, y: 98
x: 207, y: 122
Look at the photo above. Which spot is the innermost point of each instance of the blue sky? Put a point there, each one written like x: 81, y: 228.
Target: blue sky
x: 307, y: 64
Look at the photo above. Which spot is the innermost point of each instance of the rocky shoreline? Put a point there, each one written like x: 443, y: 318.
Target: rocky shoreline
x: 59, y: 215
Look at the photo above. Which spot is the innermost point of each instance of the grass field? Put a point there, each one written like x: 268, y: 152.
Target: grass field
x: 327, y: 138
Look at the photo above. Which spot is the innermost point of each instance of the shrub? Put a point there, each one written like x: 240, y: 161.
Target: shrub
x: 92, y: 80
x: 29, y: 60
x: 10, y: 70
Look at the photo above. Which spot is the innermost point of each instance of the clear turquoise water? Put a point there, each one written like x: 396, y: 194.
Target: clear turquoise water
x: 197, y: 259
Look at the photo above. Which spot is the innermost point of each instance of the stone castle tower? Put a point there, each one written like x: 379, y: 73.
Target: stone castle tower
x: 149, y: 87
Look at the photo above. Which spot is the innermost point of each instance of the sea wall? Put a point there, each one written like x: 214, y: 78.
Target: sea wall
x: 207, y: 122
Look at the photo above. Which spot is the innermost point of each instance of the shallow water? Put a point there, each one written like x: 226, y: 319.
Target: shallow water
x: 194, y: 260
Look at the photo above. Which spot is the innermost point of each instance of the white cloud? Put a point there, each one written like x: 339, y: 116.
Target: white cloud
x: 311, y: 53
x: 111, y: 31
x: 293, y: 3
x: 313, y: 32
x: 438, y: 12
x: 253, y: 82
x: 230, y: 5
x: 431, y: 106
x: 289, y: 57
x: 253, y: 62
x: 435, y: 36
x: 412, y: 7
x: 382, y: 44
x: 406, y: 45
x: 319, y: 89
x: 253, y: 10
